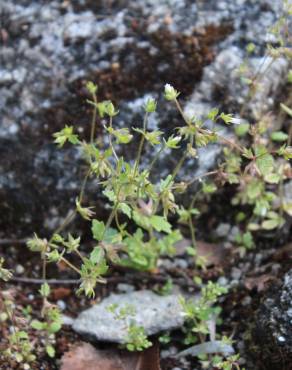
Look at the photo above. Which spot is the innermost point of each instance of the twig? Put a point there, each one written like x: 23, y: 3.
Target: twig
x: 109, y: 280
x: 4, y: 242
x: 41, y: 281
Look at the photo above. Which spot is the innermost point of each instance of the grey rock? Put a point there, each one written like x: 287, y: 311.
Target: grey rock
x: 272, y: 332
x: 223, y: 230
x: 153, y: 312
x: 51, y: 48
x: 208, y: 348
x: 125, y: 288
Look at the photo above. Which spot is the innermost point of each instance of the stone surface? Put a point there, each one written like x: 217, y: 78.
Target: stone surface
x: 153, y: 312
x: 273, y: 328
x: 131, y: 49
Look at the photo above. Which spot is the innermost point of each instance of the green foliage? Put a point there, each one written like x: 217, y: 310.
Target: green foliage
x: 66, y: 134
x: 145, y: 216
x: 137, y: 339
x: 50, y: 324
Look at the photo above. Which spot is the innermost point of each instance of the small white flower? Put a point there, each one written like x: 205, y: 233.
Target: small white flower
x: 236, y: 121
x: 170, y: 93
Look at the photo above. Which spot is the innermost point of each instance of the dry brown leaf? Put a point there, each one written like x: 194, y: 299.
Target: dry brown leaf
x: 283, y: 253
x: 86, y: 357
x: 258, y: 282
x: 60, y: 293
x: 213, y: 254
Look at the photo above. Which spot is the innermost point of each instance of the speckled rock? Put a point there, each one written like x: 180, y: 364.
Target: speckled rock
x: 131, y: 49
x: 153, y: 312
x: 272, y: 335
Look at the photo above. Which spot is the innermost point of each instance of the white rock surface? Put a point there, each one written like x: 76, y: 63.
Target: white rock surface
x: 153, y: 312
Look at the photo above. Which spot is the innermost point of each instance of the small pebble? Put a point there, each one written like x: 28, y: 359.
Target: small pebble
x: 236, y: 273
x: 19, y: 269
x: 61, y: 304
x: 125, y: 288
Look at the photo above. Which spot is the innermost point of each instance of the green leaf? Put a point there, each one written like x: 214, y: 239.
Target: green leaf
x: 241, y: 129
x: 54, y: 327
x: 153, y: 137
x: 66, y: 134
x: 227, y: 118
x: 172, y: 142
x: 45, y: 290
x: 279, y: 136
x: 112, y: 236
x: 125, y: 209
x: 98, y: 229
x: 91, y: 87
x: 213, y: 114
x: 287, y: 206
x: 36, y: 324
x: 272, y: 178
x: 150, y: 105
x: 50, y: 351
x: 110, y: 195
x: 286, y: 109
x: 265, y: 163
x: 122, y: 135
x: 270, y: 224
x: 160, y: 224
x: 97, y: 255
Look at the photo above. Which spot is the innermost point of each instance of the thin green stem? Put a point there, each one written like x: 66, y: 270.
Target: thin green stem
x: 70, y: 265
x: 145, y: 122
x: 196, y: 178
x: 93, y: 122
x: 110, y: 139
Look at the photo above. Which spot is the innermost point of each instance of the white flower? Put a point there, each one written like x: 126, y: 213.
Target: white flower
x: 236, y: 121
x: 170, y: 93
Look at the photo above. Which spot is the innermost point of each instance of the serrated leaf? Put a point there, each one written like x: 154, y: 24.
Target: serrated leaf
x: 122, y: 135
x: 54, y: 327
x: 286, y: 109
x: 288, y: 208
x: 153, y: 137
x: 213, y: 113
x: 272, y: 178
x: 125, y: 209
x: 50, y: 351
x: 66, y: 134
x: 45, y: 290
x: 97, y: 255
x: 270, y: 224
x: 279, y: 136
x: 98, y: 229
x: 265, y: 163
x: 37, y: 325
x: 160, y: 224
x: 241, y: 129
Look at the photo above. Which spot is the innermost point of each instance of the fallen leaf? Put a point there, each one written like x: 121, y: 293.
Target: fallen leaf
x: 258, y: 282
x: 86, y: 357
x: 284, y: 253
x: 60, y: 293
x: 213, y: 254
x: 211, y: 347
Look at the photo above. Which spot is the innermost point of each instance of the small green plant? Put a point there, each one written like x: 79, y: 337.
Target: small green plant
x: 145, y: 216
x: 20, y: 347
x: 198, y: 313
x: 51, y: 323
x: 136, y: 339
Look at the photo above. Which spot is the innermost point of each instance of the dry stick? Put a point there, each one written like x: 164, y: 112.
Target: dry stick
x: 110, y: 280
x: 5, y: 242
